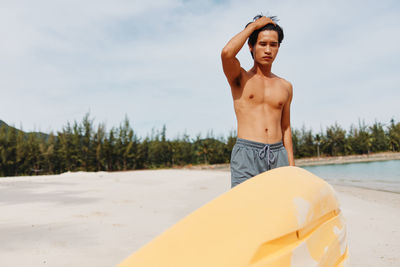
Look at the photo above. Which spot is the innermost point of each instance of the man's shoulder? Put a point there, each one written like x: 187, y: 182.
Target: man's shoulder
x: 285, y: 83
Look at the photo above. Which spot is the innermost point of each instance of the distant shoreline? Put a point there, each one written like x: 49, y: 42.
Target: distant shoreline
x: 313, y: 161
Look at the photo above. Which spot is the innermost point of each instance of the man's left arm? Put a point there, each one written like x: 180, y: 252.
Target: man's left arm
x: 286, y: 131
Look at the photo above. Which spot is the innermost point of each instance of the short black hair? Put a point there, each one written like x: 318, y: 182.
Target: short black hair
x: 269, y: 27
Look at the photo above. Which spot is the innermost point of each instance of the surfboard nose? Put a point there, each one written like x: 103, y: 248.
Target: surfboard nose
x: 283, y: 217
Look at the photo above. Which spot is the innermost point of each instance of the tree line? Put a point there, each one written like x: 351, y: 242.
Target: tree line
x: 85, y: 147
x: 336, y: 141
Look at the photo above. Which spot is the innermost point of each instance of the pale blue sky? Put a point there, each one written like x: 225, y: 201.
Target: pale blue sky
x: 158, y: 62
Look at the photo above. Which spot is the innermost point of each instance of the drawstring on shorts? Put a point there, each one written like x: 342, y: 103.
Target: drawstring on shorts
x: 266, y: 150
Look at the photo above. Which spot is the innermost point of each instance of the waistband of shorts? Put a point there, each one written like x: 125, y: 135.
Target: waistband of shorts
x: 258, y: 145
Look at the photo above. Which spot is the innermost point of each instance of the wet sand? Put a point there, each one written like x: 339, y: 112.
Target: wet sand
x: 98, y: 219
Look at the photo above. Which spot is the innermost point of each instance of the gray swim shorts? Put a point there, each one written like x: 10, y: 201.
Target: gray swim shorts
x: 250, y: 158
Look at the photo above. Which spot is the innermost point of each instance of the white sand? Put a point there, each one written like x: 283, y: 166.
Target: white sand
x: 98, y: 219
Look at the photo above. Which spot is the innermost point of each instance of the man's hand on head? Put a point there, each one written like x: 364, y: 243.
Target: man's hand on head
x: 261, y: 22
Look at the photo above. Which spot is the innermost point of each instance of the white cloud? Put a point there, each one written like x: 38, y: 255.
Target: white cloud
x: 159, y: 62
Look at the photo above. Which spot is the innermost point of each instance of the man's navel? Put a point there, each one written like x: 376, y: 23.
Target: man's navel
x: 251, y: 96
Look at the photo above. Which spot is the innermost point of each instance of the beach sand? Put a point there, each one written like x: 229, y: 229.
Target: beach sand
x: 98, y: 219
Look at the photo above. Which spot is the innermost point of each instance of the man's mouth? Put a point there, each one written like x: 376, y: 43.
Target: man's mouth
x: 267, y: 57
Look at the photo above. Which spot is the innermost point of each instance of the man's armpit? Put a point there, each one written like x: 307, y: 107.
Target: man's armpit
x: 238, y: 80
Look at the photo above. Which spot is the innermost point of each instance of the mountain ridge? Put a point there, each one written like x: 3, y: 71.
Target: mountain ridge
x: 40, y: 134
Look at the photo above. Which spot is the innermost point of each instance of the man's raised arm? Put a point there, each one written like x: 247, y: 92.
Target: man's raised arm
x: 230, y: 63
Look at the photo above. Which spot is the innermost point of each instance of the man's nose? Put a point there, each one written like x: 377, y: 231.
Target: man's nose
x: 268, y: 49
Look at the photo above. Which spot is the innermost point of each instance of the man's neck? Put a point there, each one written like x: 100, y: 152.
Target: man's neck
x: 264, y: 70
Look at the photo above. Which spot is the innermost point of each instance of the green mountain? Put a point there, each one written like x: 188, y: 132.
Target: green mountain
x: 40, y: 134
x: 2, y: 123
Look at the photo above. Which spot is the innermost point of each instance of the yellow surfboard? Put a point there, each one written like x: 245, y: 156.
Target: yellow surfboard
x: 283, y: 217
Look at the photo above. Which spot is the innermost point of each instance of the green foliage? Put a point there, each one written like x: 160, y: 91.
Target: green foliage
x: 394, y: 135
x: 379, y: 140
x: 360, y: 139
x: 303, y: 143
x: 333, y: 143
x: 85, y: 146
x: 182, y: 150
x: 209, y: 151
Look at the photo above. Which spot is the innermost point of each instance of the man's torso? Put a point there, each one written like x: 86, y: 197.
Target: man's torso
x: 258, y: 103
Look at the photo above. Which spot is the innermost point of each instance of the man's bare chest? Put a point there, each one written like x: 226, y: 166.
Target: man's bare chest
x: 271, y: 94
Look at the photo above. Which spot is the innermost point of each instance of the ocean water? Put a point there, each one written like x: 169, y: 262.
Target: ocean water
x: 378, y: 175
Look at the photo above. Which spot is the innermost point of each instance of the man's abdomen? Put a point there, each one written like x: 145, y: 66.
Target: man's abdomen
x: 259, y: 123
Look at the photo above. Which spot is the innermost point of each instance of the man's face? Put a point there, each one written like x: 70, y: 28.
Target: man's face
x: 266, y: 48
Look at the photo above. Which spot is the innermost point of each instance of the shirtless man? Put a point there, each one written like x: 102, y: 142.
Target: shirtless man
x: 261, y: 101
